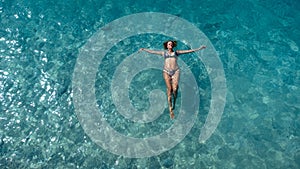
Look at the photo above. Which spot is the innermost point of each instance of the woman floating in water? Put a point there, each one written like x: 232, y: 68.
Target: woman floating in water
x: 171, y: 69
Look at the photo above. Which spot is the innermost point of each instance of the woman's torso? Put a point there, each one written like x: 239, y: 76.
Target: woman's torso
x: 170, y: 60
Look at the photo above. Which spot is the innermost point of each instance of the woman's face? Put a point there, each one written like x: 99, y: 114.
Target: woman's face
x: 170, y: 45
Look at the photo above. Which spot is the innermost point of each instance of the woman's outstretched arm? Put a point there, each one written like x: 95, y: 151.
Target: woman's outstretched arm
x: 152, y: 51
x: 190, y: 51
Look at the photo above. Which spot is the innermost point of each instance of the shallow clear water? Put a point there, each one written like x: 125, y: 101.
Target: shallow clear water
x: 258, y: 44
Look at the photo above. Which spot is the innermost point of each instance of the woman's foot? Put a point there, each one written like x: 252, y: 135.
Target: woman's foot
x: 171, y: 114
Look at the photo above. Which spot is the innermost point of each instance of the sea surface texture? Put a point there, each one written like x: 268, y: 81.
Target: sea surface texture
x: 257, y: 42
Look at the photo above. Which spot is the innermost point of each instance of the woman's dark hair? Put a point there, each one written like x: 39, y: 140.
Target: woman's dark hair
x: 166, y: 44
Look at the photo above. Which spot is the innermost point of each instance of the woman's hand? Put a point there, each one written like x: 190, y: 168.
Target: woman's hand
x: 202, y: 47
x: 142, y: 49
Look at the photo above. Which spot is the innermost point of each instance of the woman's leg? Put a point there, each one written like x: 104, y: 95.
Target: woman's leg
x: 175, y: 81
x: 168, y: 82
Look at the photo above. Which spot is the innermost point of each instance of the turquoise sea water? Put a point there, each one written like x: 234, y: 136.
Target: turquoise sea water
x: 257, y: 42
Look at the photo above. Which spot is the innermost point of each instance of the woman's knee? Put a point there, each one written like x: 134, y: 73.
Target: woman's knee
x: 169, y: 91
x: 175, y: 89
